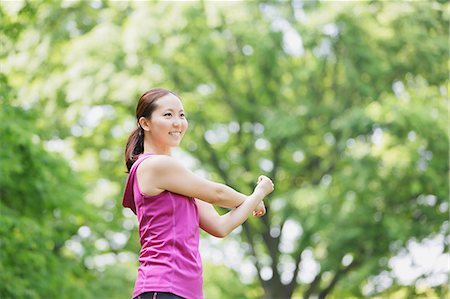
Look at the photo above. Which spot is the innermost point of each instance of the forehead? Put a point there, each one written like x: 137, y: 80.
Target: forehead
x: 169, y: 101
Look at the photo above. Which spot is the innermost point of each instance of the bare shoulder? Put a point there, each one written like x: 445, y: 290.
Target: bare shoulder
x: 159, y: 164
x: 167, y: 173
x: 154, y: 172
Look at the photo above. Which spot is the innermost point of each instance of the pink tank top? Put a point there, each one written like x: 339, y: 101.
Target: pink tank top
x: 169, y: 236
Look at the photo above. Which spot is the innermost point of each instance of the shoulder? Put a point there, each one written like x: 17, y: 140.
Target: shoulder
x: 159, y: 164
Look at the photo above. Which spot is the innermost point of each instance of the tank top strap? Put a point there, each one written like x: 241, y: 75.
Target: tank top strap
x: 128, y: 195
x: 141, y: 158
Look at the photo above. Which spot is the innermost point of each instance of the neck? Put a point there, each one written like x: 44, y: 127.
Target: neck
x: 152, y: 148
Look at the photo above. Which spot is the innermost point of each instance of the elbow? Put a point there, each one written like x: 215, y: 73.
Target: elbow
x: 221, y: 234
x: 218, y: 196
x: 218, y: 235
x: 221, y: 231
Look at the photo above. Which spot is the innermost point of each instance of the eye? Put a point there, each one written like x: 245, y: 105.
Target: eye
x: 182, y: 115
x: 167, y: 114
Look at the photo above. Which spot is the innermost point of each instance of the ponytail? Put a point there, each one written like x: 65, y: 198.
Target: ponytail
x: 134, y: 147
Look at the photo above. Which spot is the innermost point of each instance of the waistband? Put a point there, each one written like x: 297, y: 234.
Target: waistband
x: 158, y: 295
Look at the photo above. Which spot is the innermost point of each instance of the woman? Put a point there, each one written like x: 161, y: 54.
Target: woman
x: 171, y: 202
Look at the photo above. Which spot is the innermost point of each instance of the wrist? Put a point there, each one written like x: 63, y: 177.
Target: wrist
x: 259, y: 194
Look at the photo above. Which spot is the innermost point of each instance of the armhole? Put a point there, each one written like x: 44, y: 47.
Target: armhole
x: 146, y: 196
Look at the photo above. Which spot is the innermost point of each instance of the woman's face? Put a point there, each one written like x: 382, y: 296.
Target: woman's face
x: 168, y: 123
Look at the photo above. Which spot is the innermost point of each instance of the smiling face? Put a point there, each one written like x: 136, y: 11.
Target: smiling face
x: 166, y: 126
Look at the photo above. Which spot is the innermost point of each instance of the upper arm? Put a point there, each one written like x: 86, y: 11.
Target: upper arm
x: 165, y: 173
x: 210, y: 220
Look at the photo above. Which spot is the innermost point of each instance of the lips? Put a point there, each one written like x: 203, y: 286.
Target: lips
x: 175, y: 133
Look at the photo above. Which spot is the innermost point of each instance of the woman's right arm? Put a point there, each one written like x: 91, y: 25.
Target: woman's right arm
x: 165, y: 173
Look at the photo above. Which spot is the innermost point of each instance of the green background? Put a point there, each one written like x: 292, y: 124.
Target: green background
x: 343, y: 104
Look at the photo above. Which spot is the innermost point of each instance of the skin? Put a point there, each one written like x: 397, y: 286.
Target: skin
x: 163, y: 131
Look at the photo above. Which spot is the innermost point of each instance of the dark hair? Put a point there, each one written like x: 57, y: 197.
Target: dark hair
x: 144, y: 108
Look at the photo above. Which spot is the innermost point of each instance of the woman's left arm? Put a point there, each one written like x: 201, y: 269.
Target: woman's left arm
x: 221, y: 225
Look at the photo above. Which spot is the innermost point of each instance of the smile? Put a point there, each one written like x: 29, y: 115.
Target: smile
x: 175, y: 133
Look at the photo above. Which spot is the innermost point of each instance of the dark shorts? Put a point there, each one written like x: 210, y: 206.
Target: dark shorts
x: 157, y: 295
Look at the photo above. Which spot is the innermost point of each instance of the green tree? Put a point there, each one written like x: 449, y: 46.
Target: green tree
x: 352, y: 129
x: 40, y: 211
x: 342, y: 105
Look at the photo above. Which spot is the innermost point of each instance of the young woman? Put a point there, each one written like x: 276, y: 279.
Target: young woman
x: 172, y: 203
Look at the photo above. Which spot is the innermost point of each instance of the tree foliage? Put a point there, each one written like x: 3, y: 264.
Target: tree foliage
x: 343, y: 105
x: 41, y: 209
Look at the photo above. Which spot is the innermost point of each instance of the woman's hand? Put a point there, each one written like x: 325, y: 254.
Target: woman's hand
x: 264, y: 186
x: 260, y: 210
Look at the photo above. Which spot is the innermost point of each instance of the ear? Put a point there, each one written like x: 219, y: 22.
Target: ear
x: 144, y: 123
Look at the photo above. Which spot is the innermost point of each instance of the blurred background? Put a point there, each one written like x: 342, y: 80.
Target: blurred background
x: 344, y: 104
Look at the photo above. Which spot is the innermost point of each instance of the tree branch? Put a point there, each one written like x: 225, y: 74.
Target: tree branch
x: 216, y: 162
x: 249, y: 236
x: 303, y: 244
x: 276, y: 159
x: 336, y: 278
x: 312, y: 286
x: 221, y: 83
